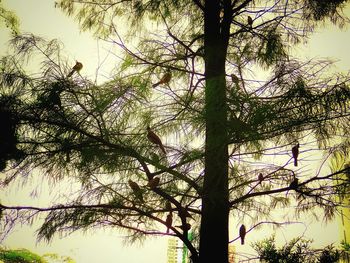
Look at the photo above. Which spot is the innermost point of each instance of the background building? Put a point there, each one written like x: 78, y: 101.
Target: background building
x: 172, y: 250
x: 231, y: 253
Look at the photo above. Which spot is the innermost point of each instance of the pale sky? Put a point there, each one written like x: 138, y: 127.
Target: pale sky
x: 104, y: 246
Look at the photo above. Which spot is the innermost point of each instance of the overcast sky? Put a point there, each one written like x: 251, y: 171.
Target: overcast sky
x: 104, y: 246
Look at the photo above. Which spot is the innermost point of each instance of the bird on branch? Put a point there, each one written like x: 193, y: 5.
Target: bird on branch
x: 153, y: 138
x: 164, y: 80
x: 295, y: 153
x: 136, y: 189
x: 77, y: 67
x: 54, y: 100
x: 242, y: 233
x: 260, y: 178
x: 154, y: 182
x: 235, y: 79
x: 294, y: 184
x: 250, y: 22
x: 169, y: 221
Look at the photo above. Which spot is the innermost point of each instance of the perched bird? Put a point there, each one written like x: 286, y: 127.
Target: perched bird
x: 242, y: 232
x: 169, y: 221
x: 295, y: 153
x: 294, y: 184
x: 250, y: 22
x: 77, y: 67
x: 54, y: 100
x: 234, y: 79
x: 154, y: 182
x: 260, y: 178
x: 164, y: 80
x: 185, y: 227
x: 153, y: 138
x: 136, y: 189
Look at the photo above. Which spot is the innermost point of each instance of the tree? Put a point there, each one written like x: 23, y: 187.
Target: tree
x: 9, y: 19
x: 97, y: 133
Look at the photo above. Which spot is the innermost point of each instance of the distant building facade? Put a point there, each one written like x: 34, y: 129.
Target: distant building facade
x: 178, y: 252
x: 231, y: 253
x: 172, y: 253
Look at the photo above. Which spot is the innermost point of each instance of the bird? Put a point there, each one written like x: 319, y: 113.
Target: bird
x: 295, y: 153
x: 168, y: 221
x: 54, y: 100
x: 234, y: 79
x: 164, y: 80
x: 242, y: 232
x: 77, y: 67
x: 153, y: 138
x: 154, y: 182
x: 294, y: 184
x: 250, y: 22
x: 136, y: 189
x: 260, y: 178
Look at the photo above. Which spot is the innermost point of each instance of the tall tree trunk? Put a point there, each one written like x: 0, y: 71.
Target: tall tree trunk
x: 215, y: 210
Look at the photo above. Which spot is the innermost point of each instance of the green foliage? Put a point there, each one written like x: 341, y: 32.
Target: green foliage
x: 57, y: 258
x: 340, y: 162
x: 329, y: 255
x: 295, y: 106
x: 297, y: 250
x: 273, y: 48
x: 26, y: 256
x: 321, y: 9
x: 20, y: 256
x: 10, y: 19
x: 345, y: 246
x: 101, y: 17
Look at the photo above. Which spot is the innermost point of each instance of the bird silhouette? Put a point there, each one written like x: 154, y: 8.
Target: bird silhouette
x: 136, y: 189
x: 165, y: 79
x: 260, y: 178
x: 77, y: 67
x: 168, y: 221
x: 242, y: 233
x: 234, y: 79
x: 153, y: 138
x: 250, y: 22
x: 295, y: 153
x: 54, y: 99
x: 154, y: 182
x: 294, y: 184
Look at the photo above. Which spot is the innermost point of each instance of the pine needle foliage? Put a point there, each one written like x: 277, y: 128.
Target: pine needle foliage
x: 218, y: 121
